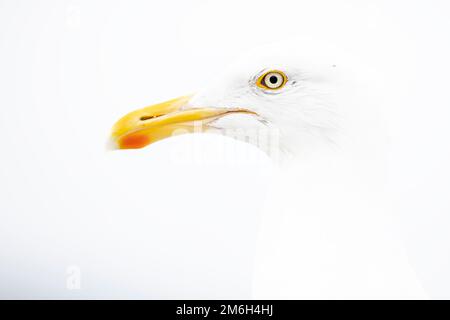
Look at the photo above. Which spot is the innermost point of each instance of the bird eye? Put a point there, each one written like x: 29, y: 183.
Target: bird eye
x: 272, y: 80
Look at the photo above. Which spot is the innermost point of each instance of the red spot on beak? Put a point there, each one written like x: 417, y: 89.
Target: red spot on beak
x: 134, y: 141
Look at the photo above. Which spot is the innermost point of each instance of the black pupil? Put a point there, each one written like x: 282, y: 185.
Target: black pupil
x: 273, y: 79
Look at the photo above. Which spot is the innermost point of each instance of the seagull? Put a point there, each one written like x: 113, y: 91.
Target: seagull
x: 328, y: 229
x: 266, y: 90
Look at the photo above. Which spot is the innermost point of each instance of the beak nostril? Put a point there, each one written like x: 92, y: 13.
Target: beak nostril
x: 143, y: 118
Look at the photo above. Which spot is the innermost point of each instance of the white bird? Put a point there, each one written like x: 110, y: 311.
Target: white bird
x: 203, y: 215
x: 328, y: 230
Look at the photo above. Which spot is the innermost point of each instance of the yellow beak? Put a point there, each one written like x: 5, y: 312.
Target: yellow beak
x: 147, y: 125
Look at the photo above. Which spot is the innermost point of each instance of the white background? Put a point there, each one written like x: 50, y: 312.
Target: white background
x: 69, y: 69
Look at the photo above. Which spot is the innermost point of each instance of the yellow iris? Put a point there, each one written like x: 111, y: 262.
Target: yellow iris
x: 272, y: 80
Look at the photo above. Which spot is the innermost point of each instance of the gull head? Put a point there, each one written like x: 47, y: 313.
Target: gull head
x: 281, y: 91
